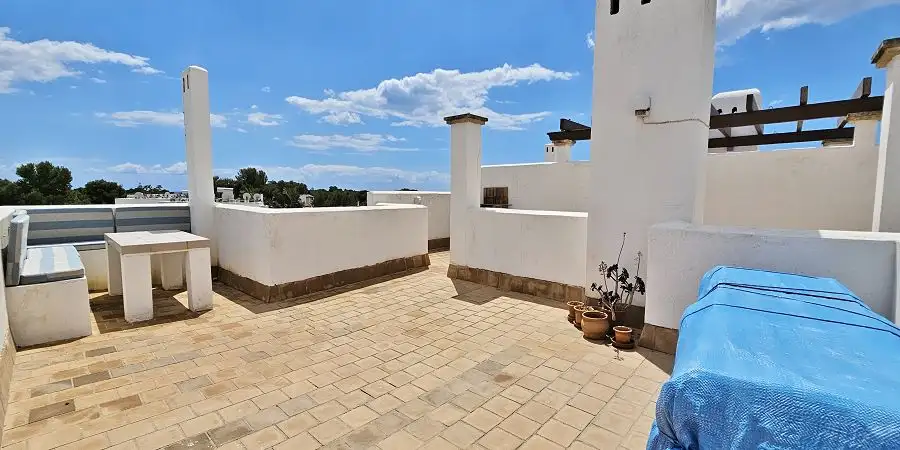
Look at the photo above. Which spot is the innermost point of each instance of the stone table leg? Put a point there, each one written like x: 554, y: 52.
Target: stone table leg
x: 199, y: 279
x: 114, y: 270
x: 172, y: 270
x: 137, y: 288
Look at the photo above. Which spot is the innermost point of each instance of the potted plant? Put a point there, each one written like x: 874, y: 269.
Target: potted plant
x: 572, y: 306
x: 618, y: 287
x: 579, y: 311
x: 623, y: 334
x: 594, y: 324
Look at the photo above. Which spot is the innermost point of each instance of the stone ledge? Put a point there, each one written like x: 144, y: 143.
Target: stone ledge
x: 512, y: 283
x: 439, y: 244
x: 320, y: 283
x: 7, y: 360
x: 661, y: 339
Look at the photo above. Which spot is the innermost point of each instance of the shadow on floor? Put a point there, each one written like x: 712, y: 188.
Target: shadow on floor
x: 478, y: 294
x: 109, y: 311
x: 257, y: 306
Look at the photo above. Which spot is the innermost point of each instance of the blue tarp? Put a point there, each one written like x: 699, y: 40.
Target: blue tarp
x: 780, y: 361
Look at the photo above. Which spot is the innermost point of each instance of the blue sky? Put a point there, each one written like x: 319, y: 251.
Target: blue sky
x: 350, y: 92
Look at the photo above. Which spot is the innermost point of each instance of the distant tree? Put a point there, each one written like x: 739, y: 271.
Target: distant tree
x: 147, y: 189
x: 102, y: 191
x: 78, y: 196
x: 44, y: 183
x: 9, y: 193
x: 251, y: 179
x: 408, y: 189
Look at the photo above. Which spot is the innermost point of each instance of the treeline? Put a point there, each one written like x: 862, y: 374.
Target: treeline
x: 286, y: 194
x: 44, y: 183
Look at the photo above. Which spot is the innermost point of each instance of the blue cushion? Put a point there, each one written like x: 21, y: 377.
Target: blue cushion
x: 69, y: 225
x: 153, y: 218
x: 52, y: 263
x: 15, y: 251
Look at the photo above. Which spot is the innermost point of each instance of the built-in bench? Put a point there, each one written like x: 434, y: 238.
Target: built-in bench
x: 83, y: 227
x: 46, y: 289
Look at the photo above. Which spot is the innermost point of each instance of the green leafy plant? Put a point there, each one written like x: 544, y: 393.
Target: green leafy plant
x: 618, y: 286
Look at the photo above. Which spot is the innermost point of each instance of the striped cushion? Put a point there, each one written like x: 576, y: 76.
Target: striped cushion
x: 69, y: 225
x: 48, y: 264
x: 15, y: 251
x: 152, y: 218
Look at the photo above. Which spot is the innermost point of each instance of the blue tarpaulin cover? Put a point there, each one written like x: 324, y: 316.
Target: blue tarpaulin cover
x: 780, y: 361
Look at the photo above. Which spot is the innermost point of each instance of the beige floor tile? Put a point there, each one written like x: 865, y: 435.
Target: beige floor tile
x: 329, y: 431
x: 264, y: 438
x: 400, y: 440
x: 497, y: 439
x: 301, y: 441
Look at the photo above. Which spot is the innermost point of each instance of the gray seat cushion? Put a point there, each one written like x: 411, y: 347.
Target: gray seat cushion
x: 81, y: 246
x: 69, y: 225
x: 51, y: 263
x: 153, y: 218
x: 15, y: 250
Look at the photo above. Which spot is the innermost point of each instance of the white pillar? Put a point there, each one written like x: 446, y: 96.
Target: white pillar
x: 198, y: 142
x: 651, y: 104
x: 558, y: 151
x: 113, y: 270
x: 137, y: 289
x: 465, y: 180
x: 171, y: 270
x: 886, y: 215
x: 865, y: 130
x: 199, y: 280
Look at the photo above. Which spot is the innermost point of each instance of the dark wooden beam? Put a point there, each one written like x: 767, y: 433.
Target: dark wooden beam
x: 804, y: 99
x: 782, y: 138
x: 571, y: 125
x: 715, y: 112
x: 574, y: 135
x: 795, y: 113
x: 864, y: 90
x: 751, y: 107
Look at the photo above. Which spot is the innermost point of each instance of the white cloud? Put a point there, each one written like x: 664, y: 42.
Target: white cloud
x: 178, y: 168
x: 589, y: 39
x: 147, y: 70
x: 364, y: 142
x: 97, y: 80
x: 266, y: 89
x: 342, y: 118
x: 737, y: 18
x: 161, y: 118
x: 317, y: 173
x: 241, y: 130
x: 264, y: 119
x: 44, y: 60
x: 426, y: 98
x: 254, y: 107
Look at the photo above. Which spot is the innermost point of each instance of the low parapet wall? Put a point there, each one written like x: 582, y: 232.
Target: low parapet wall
x: 274, y: 254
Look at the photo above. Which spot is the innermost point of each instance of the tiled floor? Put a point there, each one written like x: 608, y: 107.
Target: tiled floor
x: 415, y: 361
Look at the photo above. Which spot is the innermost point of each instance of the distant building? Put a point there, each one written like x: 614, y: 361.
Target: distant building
x: 307, y: 200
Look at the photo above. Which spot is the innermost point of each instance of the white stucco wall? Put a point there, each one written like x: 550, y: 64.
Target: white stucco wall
x: 811, y: 189
x: 680, y: 253
x: 438, y: 204
x: 546, y: 245
x: 5, y: 214
x: 274, y: 246
x: 542, y: 186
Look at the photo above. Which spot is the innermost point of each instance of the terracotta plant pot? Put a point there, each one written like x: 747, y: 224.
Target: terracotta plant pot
x: 623, y: 334
x: 578, y: 311
x: 572, y: 306
x: 594, y: 324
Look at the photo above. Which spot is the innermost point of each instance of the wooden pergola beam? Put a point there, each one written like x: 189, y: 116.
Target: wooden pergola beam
x: 782, y: 138
x: 801, y: 112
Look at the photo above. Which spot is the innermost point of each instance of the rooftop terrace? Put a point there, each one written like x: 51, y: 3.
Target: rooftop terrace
x: 418, y: 360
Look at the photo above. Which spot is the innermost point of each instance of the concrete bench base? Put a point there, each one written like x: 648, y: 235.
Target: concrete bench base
x: 49, y: 312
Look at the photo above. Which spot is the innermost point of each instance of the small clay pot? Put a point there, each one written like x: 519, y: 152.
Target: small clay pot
x: 594, y: 324
x: 623, y: 334
x: 578, y: 311
x: 572, y: 306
